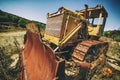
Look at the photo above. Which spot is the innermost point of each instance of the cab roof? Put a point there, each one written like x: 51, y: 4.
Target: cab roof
x: 95, y: 11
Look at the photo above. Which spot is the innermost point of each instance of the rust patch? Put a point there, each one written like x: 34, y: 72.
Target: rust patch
x: 88, y: 55
x: 92, y: 46
x: 39, y: 60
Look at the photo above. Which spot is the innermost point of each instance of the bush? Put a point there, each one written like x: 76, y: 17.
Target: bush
x: 115, y: 34
x: 6, y: 71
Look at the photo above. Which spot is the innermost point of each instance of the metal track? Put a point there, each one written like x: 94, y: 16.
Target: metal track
x: 88, y: 55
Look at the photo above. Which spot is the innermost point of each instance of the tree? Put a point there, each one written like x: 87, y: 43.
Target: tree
x: 15, y: 19
x: 21, y: 23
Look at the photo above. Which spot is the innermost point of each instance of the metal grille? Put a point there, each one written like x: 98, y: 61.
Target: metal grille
x: 54, y: 25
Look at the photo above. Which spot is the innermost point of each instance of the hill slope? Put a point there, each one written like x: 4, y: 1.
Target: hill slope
x: 114, y: 34
x: 10, y: 21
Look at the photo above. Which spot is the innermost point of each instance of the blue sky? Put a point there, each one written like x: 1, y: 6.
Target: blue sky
x: 38, y: 9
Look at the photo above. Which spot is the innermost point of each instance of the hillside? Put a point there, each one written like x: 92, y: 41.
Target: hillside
x: 11, y: 22
x: 114, y: 34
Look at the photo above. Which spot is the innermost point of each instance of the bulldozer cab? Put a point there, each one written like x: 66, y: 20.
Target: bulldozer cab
x: 96, y: 18
x: 63, y: 26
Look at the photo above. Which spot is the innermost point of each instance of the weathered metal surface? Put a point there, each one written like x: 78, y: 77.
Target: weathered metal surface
x: 97, y: 62
x: 39, y: 60
x: 83, y: 72
x: 89, y: 47
x: 88, y: 55
x: 54, y: 25
x: 61, y: 24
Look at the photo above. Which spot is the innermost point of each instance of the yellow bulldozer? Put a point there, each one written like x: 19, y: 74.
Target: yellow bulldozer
x: 72, y: 35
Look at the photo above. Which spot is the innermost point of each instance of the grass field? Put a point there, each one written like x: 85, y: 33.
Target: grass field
x: 7, y: 43
x: 9, y: 54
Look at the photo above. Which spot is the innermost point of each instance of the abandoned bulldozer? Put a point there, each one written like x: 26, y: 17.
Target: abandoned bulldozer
x: 72, y: 35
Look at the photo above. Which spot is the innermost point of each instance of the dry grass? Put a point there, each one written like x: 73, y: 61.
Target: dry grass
x: 7, y: 40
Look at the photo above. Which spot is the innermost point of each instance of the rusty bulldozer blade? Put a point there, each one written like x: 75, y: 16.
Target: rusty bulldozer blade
x: 39, y: 60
